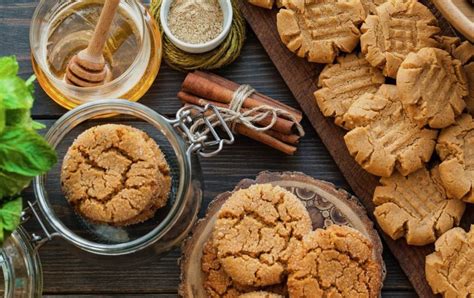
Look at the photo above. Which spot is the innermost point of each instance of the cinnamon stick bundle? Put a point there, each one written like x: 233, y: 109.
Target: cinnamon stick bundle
x: 201, y: 88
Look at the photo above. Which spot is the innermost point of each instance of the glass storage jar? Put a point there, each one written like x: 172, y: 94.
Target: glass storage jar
x: 21, y: 267
x: 61, y: 28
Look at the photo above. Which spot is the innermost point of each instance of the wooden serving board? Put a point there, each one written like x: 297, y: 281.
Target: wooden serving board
x: 326, y: 206
x: 301, y: 77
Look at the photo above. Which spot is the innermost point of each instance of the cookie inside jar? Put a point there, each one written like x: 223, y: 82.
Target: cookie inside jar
x: 127, y: 187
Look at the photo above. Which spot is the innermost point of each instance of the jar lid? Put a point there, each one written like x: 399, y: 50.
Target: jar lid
x: 21, y: 267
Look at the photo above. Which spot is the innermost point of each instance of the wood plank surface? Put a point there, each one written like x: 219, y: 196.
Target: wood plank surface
x: 69, y: 275
x: 301, y: 78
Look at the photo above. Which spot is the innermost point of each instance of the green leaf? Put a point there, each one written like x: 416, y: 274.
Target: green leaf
x: 24, y: 152
x: 12, y: 184
x: 19, y: 117
x: 10, y: 214
x: 8, y: 66
x: 15, y: 93
x: 37, y: 126
x: 2, y: 116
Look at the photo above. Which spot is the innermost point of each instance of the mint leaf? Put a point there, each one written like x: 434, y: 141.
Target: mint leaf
x: 10, y: 214
x: 2, y: 116
x: 15, y: 93
x: 18, y: 117
x: 8, y: 66
x: 12, y: 184
x: 24, y: 152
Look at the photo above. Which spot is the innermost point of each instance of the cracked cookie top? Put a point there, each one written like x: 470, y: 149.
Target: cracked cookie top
x: 343, y: 82
x: 115, y: 174
x: 318, y: 30
x: 449, y: 269
x: 416, y: 207
x: 464, y: 52
x: 384, y: 137
x: 335, y: 262
x: 218, y: 283
x: 256, y: 231
x: 456, y: 149
x: 432, y: 87
x: 260, y: 294
x: 396, y: 29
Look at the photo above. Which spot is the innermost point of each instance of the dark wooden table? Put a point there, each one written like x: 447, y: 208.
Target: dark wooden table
x: 67, y: 275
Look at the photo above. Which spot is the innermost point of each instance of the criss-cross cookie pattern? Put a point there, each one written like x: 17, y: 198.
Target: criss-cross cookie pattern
x: 384, y: 138
x: 456, y: 149
x: 416, y: 207
x: 432, y: 86
x: 396, y: 29
x: 343, y: 82
x: 318, y: 30
x: 449, y: 269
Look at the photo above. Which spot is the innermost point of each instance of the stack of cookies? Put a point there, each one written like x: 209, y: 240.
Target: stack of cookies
x: 262, y: 245
x: 405, y: 95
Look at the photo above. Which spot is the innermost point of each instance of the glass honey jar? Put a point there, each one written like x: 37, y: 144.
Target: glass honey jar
x: 60, y: 29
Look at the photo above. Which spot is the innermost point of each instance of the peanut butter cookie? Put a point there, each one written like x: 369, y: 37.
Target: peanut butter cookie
x: 115, y: 174
x: 465, y: 54
x: 416, y: 207
x: 256, y: 231
x: 432, y: 86
x: 319, y: 29
x: 336, y: 262
x: 371, y: 5
x: 449, y: 269
x: 456, y: 149
x: 343, y: 82
x: 384, y: 138
x: 397, y: 29
x: 261, y: 295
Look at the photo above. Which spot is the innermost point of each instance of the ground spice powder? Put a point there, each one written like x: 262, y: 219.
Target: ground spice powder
x: 195, y: 21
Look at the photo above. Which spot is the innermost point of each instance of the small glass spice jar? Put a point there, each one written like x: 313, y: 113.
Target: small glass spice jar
x: 133, y: 51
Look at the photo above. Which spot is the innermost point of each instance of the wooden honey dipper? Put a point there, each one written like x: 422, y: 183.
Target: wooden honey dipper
x: 88, y: 68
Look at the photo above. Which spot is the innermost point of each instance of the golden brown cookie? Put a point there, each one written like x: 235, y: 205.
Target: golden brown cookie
x: 397, y: 29
x: 371, y: 5
x: 256, y: 231
x: 268, y: 4
x: 216, y: 282
x: 115, y: 174
x: 261, y: 294
x: 384, y: 138
x: 416, y: 207
x: 343, y: 82
x: 449, y: 269
x: 432, y: 86
x: 319, y: 29
x: 336, y: 262
x: 456, y: 149
x: 464, y: 52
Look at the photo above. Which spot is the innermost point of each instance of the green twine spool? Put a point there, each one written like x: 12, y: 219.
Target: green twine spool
x: 221, y: 56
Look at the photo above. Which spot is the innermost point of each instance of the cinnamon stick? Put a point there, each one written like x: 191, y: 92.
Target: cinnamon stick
x: 203, y: 87
x: 283, y: 126
x: 258, y: 96
x: 262, y: 137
